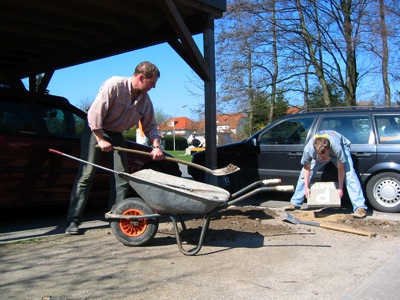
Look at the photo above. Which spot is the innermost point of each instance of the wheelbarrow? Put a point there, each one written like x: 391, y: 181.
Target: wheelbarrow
x: 134, y: 221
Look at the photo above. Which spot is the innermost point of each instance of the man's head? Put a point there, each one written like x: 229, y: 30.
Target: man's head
x: 322, y: 146
x: 145, y: 76
x: 148, y: 69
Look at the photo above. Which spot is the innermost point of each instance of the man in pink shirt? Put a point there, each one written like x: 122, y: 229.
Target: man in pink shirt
x: 119, y: 105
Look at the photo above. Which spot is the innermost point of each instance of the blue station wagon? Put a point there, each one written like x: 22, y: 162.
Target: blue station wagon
x: 276, y: 151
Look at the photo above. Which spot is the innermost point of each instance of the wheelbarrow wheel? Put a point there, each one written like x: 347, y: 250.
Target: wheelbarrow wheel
x: 135, y: 232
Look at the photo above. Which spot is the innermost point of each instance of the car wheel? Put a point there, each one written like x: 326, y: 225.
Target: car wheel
x: 135, y: 232
x: 383, y: 192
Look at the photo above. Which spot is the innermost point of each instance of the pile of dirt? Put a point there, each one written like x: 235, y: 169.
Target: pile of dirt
x: 268, y: 222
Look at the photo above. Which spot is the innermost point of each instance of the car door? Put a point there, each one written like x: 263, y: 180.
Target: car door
x: 21, y: 155
x: 63, y: 129
x: 281, y: 148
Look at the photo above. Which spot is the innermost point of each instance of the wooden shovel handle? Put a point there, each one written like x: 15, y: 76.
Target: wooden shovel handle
x: 183, y: 162
x: 360, y: 232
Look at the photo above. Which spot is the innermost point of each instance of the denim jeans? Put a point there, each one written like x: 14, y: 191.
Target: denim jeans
x: 353, y: 185
x: 117, y: 160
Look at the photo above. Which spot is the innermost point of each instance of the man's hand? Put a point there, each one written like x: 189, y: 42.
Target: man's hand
x: 157, y: 154
x: 341, y: 175
x: 307, y: 192
x: 306, y: 173
x: 105, y: 146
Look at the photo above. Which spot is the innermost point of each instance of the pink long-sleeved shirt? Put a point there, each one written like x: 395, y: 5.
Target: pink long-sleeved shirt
x: 115, y: 110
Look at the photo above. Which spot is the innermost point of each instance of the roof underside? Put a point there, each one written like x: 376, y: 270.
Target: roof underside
x: 40, y: 36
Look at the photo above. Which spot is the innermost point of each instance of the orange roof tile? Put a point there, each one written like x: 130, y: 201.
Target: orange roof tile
x: 232, y: 120
x: 181, y: 123
x: 184, y: 123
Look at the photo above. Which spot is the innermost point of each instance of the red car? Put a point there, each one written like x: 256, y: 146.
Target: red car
x: 30, y: 124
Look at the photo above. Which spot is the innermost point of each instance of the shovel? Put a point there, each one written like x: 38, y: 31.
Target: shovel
x: 217, y: 172
x: 294, y: 220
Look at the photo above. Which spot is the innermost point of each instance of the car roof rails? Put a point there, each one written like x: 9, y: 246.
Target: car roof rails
x: 337, y: 108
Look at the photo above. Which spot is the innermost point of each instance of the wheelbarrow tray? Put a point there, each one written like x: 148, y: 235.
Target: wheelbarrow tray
x: 175, y: 195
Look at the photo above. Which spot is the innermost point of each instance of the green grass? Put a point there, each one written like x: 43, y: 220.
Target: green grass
x: 180, y: 155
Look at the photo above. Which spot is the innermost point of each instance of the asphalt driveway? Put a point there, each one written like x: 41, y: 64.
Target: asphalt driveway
x: 305, y: 264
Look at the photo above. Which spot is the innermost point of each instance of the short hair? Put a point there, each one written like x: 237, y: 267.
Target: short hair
x: 321, y: 145
x: 147, y: 69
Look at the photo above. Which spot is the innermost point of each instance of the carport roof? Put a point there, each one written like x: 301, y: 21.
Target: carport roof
x: 40, y: 36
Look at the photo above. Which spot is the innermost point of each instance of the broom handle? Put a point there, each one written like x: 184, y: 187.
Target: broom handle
x: 360, y: 232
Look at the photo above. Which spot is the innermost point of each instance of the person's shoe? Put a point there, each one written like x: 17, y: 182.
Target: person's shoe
x: 360, y: 213
x: 291, y: 207
x: 72, y: 228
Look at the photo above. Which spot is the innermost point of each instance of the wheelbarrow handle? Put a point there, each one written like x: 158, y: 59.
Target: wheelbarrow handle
x: 83, y: 161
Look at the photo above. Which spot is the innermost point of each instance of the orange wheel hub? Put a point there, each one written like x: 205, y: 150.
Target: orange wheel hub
x: 134, y: 227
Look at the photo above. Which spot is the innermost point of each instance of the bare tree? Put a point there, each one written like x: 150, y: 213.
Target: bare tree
x: 346, y: 22
x: 237, y: 60
x: 247, y: 58
x: 385, y: 52
x: 275, y: 63
x: 377, y: 42
x: 275, y: 48
x: 313, y: 46
x: 85, y: 103
x: 160, y: 115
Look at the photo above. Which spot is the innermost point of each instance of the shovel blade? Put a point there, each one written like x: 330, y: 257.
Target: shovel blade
x: 229, y: 169
x: 289, y: 218
x: 294, y: 220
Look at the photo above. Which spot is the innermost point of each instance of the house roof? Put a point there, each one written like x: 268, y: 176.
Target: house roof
x: 366, y: 103
x: 181, y: 123
x: 231, y: 120
x: 292, y: 110
x: 41, y: 36
x: 184, y: 123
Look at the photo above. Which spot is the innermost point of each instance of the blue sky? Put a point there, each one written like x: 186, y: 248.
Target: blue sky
x: 82, y: 82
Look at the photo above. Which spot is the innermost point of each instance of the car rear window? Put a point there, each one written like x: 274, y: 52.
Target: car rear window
x: 388, y: 128
x: 61, y: 122
x: 357, y: 129
x: 15, y: 117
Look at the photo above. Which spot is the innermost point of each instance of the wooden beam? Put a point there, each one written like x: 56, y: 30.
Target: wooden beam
x: 188, y: 43
x: 210, y: 92
x: 178, y: 47
x: 32, y: 83
x: 45, y: 82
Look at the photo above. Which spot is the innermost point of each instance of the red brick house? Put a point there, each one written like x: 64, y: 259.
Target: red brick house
x: 228, y: 127
x: 183, y: 126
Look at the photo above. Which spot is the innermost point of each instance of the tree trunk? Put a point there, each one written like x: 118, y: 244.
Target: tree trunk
x: 314, y: 61
x: 275, y: 62
x: 385, y: 52
x: 351, y: 67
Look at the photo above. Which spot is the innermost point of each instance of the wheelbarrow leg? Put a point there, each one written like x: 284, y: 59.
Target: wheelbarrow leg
x: 196, y: 249
x: 182, y: 223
